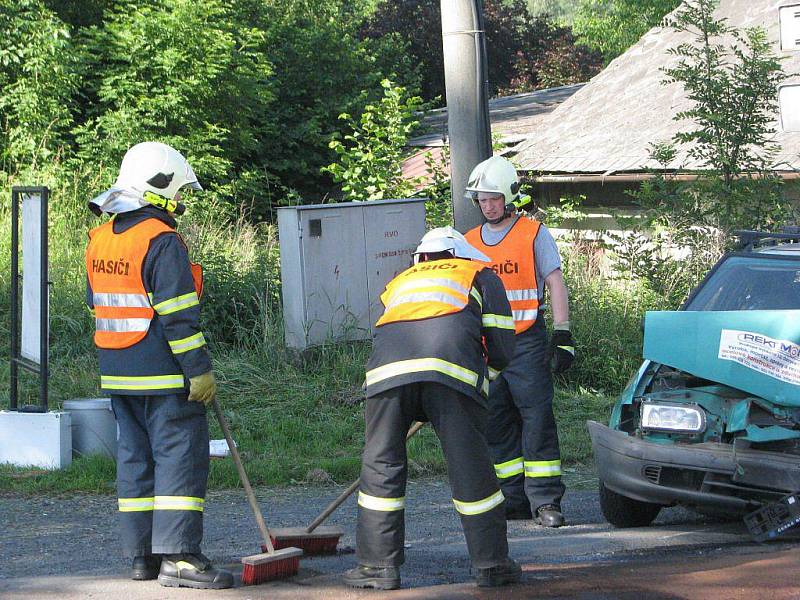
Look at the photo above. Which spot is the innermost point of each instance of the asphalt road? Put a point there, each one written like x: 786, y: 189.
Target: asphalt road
x: 66, y: 547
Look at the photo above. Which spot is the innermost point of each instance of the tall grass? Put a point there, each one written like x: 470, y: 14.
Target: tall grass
x: 606, y: 311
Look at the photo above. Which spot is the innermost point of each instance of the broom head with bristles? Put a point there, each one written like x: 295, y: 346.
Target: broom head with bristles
x: 268, y: 566
x: 322, y: 540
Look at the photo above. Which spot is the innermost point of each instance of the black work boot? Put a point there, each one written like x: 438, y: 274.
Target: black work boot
x: 377, y: 578
x: 549, y: 515
x: 502, y: 574
x: 145, y: 567
x: 194, y: 571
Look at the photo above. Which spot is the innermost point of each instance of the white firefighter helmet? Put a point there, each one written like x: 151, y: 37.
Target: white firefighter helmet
x: 496, y: 175
x: 147, y: 167
x: 447, y: 239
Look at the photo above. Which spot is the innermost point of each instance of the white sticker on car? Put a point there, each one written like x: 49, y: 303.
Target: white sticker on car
x: 779, y: 359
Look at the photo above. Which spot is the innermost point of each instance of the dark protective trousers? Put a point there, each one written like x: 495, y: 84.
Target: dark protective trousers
x: 521, y: 426
x: 162, y: 472
x: 459, y: 422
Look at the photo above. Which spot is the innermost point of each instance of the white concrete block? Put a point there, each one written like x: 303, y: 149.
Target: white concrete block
x: 41, y: 440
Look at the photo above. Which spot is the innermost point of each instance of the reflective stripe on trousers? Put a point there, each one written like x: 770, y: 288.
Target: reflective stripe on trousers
x: 160, y: 503
x: 162, y: 468
x: 384, y: 504
x: 480, y: 506
x: 542, y: 468
x: 458, y: 422
x: 509, y: 468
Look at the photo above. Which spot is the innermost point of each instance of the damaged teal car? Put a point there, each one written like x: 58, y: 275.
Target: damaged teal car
x: 711, y: 420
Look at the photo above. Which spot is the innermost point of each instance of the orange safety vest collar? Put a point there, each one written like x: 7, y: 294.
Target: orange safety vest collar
x: 513, y: 260
x: 429, y: 289
x: 123, y: 311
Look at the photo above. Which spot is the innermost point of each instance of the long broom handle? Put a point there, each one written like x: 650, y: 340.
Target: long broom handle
x: 237, y: 460
x: 353, y: 487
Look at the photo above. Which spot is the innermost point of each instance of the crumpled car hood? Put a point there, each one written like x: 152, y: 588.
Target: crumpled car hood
x: 756, y: 351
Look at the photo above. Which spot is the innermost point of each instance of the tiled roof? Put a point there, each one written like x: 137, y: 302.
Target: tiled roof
x: 513, y: 117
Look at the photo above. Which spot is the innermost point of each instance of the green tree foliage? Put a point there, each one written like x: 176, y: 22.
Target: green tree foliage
x: 321, y: 68
x: 370, y: 157
x: 732, y: 77
x: 518, y: 45
x: 39, y: 68
x: 732, y: 84
x: 249, y: 90
x: 173, y: 70
x: 613, y: 26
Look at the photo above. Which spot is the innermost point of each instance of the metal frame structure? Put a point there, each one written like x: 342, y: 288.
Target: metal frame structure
x: 17, y: 360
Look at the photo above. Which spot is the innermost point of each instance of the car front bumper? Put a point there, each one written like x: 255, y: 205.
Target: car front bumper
x: 708, y: 475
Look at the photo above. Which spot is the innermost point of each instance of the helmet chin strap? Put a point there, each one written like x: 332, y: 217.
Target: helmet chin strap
x: 172, y: 206
x: 508, y: 210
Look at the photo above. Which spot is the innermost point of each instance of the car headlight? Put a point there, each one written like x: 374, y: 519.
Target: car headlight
x: 673, y: 417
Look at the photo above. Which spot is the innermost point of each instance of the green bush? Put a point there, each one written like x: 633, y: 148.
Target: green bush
x: 605, y: 312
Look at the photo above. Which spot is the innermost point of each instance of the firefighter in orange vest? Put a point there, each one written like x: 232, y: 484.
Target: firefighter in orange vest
x: 521, y: 428
x: 446, y: 320
x: 155, y: 364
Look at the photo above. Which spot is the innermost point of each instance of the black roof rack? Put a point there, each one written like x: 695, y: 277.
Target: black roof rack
x: 748, y: 240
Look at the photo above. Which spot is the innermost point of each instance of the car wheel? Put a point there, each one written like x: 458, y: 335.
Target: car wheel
x: 622, y: 511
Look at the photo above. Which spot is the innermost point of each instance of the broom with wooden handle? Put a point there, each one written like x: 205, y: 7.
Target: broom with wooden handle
x: 271, y: 563
x: 322, y: 540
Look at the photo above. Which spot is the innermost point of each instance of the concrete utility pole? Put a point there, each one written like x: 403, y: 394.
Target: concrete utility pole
x: 466, y: 86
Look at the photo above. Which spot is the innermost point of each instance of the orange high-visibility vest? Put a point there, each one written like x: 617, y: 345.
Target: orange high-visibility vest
x: 114, y: 262
x: 513, y: 261
x: 429, y: 289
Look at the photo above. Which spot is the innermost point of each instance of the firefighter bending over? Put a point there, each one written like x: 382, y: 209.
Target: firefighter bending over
x: 444, y: 319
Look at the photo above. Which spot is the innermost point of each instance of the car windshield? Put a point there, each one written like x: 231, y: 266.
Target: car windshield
x: 751, y: 282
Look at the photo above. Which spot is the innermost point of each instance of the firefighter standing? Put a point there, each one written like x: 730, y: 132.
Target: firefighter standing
x: 429, y: 363
x: 154, y: 363
x: 521, y: 428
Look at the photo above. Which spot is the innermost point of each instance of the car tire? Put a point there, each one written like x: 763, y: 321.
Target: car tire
x: 622, y: 511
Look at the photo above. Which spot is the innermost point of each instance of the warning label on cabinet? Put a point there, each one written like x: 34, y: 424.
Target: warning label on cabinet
x: 779, y: 359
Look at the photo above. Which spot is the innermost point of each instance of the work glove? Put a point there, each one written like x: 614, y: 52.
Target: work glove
x: 562, y: 350
x: 203, y: 388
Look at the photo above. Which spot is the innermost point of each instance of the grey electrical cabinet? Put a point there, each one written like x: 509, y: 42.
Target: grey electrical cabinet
x: 336, y: 260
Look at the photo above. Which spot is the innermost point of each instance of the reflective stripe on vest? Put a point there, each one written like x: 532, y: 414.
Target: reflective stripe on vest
x: 429, y: 289
x: 481, y: 506
x: 382, y: 504
x: 122, y: 306
x: 514, y: 262
x: 114, y: 267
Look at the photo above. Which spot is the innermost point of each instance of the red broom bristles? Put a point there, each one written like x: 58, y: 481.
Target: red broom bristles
x: 309, y: 545
x: 255, y: 574
x: 322, y: 540
x: 270, y: 565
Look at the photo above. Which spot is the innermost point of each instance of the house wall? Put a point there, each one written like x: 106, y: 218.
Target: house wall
x: 596, y: 194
